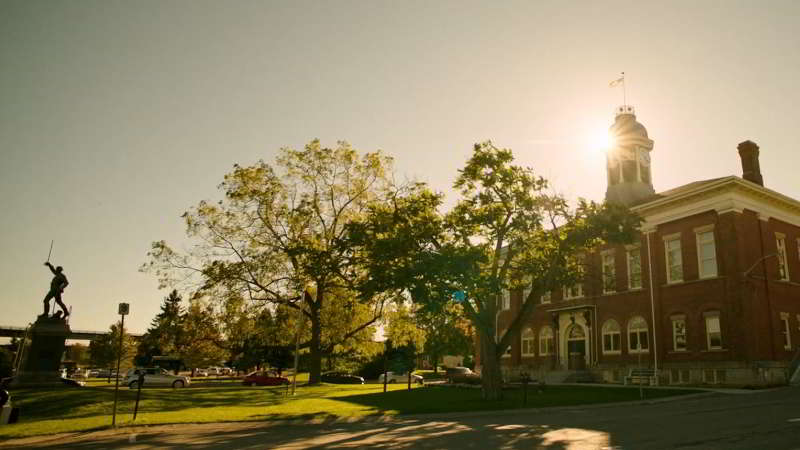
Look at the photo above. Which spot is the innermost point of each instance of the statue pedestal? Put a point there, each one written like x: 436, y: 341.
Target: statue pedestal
x: 43, y: 354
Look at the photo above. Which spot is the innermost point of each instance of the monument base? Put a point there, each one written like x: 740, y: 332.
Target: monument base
x: 42, y: 357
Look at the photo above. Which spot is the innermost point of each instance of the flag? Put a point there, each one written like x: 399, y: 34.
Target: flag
x: 617, y: 82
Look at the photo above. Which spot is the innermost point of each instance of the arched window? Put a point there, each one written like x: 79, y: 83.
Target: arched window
x: 546, y: 346
x: 611, y: 338
x: 527, y: 342
x: 637, y: 336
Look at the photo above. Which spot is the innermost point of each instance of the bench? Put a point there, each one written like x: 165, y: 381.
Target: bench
x: 641, y: 376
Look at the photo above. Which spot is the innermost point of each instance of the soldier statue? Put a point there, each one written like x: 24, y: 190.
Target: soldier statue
x: 56, y: 289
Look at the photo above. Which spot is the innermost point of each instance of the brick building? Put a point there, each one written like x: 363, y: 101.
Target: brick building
x: 709, y: 293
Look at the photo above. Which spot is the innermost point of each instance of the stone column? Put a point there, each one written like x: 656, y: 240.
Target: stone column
x: 42, y: 358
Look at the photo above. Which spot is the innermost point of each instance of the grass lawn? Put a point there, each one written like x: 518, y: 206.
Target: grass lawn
x: 47, y: 411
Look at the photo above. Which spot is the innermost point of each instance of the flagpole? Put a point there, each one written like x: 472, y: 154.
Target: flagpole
x: 624, y: 92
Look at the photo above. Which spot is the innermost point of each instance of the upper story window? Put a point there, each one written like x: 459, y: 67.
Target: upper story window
x: 634, y: 256
x: 611, y: 337
x: 713, y: 332
x: 546, y: 297
x: 706, y: 252
x: 609, y: 272
x: 783, y: 266
x: 637, y: 336
x: 674, y: 260
x: 679, y: 333
x: 574, y: 291
x: 505, y: 300
x: 527, y: 342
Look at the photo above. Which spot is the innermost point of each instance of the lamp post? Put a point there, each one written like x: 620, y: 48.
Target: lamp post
x: 123, y: 310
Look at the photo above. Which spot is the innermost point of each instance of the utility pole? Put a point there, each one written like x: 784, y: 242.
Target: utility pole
x: 124, y: 309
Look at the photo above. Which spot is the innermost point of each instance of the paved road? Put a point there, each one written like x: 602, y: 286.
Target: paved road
x: 761, y: 420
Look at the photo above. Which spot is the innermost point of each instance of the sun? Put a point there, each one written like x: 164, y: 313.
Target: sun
x: 599, y: 140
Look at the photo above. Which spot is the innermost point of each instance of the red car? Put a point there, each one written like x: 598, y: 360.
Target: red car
x: 264, y: 378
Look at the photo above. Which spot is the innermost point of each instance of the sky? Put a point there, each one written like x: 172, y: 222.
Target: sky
x: 116, y: 117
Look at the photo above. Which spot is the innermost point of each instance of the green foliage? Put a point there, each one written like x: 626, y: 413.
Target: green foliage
x: 77, y: 353
x: 164, y: 336
x: 104, y: 350
x: 6, y: 363
x: 279, y: 238
x: 506, y: 232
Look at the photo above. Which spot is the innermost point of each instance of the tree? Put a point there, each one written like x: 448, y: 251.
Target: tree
x: 277, y: 238
x: 198, y: 345
x: 448, y: 332
x: 78, y: 353
x: 164, y: 335
x: 104, y: 350
x: 506, y: 232
x: 6, y: 363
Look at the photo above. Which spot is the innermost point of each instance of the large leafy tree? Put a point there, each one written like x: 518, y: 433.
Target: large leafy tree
x: 277, y: 238
x: 507, y: 231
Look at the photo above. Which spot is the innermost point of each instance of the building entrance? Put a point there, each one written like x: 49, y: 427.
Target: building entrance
x: 576, y: 348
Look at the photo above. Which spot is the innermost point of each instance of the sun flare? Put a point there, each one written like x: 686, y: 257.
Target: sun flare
x: 599, y: 140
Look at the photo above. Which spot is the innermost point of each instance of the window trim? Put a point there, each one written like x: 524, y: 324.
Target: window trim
x: 603, y: 334
x: 531, y: 344
x: 787, y: 331
x: 783, y: 260
x: 646, y: 329
x: 667, y: 239
x: 706, y: 317
x: 674, y: 319
x: 613, y: 272
x: 546, y: 335
x: 628, y: 251
x: 697, y: 233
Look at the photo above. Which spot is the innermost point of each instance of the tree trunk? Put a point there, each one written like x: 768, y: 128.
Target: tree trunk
x: 315, y: 367
x: 491, y: 377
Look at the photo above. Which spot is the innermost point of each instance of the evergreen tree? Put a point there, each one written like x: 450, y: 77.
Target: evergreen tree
x: 165, y: 332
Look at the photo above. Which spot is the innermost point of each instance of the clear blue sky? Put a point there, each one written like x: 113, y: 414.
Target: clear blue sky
x: 117, y: 116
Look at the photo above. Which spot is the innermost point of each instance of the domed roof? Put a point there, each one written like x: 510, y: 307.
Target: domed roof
x: 627, y: 132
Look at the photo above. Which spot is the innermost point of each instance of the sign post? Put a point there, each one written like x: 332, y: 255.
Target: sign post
x: 123, y: 310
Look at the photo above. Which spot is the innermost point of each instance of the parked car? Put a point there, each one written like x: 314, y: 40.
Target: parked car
x: 200, y: 373
x: 214, y: 371
x: 400, y: 377
x: 341, y: 378
x: 155, y: 377
x: 264, y: 378
x: 226, y: 371
x: 462, y: 375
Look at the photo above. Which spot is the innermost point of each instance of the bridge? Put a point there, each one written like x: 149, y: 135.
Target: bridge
x: 80, y: 335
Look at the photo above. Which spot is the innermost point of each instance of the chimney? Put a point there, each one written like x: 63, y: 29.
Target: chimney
x: 751, y: 171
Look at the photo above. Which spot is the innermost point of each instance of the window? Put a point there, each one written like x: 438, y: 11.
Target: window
x: 713, y: 334
x: 634, y: 268
x: 706, y: 252
x: 672, y: 248
x: 498, y: 336
x: 609, y: 273
x: 611, y: 337
x: 527, y: 342
x: 783, y: 268
x: 505, y: 300
x: 679, y: 333
x: 525, y: 293
x: 546, y: 297
x: 637, y: 336
x: 574, y: 291
x: 787, y: 335
x: 546, y: 346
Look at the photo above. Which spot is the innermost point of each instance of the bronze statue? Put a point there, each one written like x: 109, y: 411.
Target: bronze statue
x: 57, y: 286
